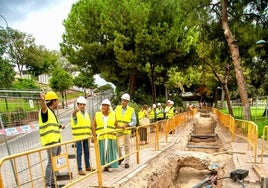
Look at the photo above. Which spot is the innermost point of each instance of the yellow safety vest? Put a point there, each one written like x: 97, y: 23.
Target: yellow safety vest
x: 169, y: 112
x: 141, y: 114
x: 109, y: 127
x: 152, y: 114
x: 50, y: 130
x: 82, y: 128
x: 159, y: 113
x: 126, y: 118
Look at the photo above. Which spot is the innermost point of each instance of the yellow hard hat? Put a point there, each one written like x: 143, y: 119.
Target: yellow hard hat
x: 50, y: 95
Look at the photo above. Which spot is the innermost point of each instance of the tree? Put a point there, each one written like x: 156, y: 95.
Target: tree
x: 85, y: 80
x: 39, y: 60
x: 7, y: 72
x: 126, y: 41
x: 164, y: 41
x: 18, y: 44
x: 60, y: 82
x: 22, y: 52
x: 234, y: 48
x: 104, y: 88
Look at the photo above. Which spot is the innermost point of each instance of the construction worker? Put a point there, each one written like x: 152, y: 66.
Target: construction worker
x: 126, y: 117
x: 152, y: 117
x: 170, y: 110
x: 81, y: 130
x: 49, y: 129
x: 105, y: 121
x: 160, y: 112
x: 143, y: 116
x: 152, y: 114
x: 160, y: 115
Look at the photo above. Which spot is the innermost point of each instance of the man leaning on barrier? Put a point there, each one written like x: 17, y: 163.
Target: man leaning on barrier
x: 49, y: 129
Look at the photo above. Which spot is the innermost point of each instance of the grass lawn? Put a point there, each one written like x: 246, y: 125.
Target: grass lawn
x: 256, y: 115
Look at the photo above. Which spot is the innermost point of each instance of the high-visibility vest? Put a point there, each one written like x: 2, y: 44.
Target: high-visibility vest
x: 159, y: 113
x: 141, y: 114
x: 152, y: 114
x: 82, y: 128
x: 169, y: 112
x: 126, y: 118
x: 100, y: 127
x: 50, y: 130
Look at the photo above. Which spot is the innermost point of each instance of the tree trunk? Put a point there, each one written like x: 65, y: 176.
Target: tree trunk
x: 153, y: 82
x: 65, y: 97
x: 234, y: 48
x: 132, y: 82
x: 227, y: 97
x: 62, y: 95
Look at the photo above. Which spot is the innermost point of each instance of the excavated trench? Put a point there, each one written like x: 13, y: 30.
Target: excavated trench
x: 191, y: 162
x: 203, y: 137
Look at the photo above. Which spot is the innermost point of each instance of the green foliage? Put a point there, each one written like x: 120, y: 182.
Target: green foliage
x: 117, y: 39
x: 7, y: 74
x: 25, y: 84
x: 104, y: 88
x: 40, y: 60
x: 18, y: 49
x: 61, y: 80
x: 84, y: 80
x: 181, y: 79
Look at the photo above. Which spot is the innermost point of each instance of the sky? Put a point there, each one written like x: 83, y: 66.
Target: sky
x: 43, y: 19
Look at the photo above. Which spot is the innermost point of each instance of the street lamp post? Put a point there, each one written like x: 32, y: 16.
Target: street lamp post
x: 263, y: 44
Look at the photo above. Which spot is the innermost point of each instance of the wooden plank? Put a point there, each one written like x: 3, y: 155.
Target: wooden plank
x: 204, y: 147
x: 203, y: 135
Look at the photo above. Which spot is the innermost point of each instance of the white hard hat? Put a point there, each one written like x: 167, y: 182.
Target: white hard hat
x: 81, y: 100
x: 168, y: 101
x: 126, y: 97
x: 106, y: 101
x: 171, y: 102
x: 154, y: 106
x: 159, y: 104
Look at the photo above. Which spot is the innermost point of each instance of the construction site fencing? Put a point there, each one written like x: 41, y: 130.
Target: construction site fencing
x: 264, y: 146
x: 22, y: 134
x: 27, y: 169
x: 241, y: 128
x: 19, y: 107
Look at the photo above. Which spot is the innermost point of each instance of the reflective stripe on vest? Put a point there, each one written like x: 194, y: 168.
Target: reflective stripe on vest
x: 82, y: 128
x: 110, y: 126
x: 126, y: 118
x: 50, y: 130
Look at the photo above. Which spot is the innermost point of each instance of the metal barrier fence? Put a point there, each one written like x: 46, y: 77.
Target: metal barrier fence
x: 241, y: 128
x: 27, y: 169
x: 19, y: 107
x: 25, y: 137
x: 264, y: 146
